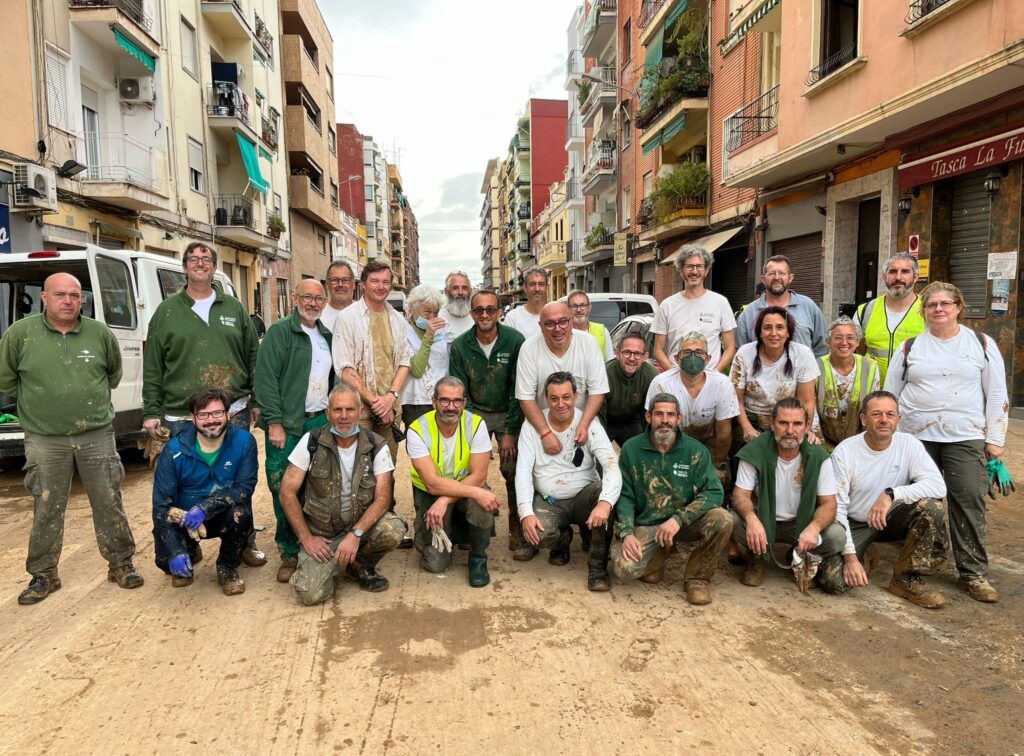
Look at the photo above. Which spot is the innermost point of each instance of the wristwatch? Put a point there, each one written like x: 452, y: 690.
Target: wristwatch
x: 891, y: 494
x: 357, y: 533
x: 394, y: 394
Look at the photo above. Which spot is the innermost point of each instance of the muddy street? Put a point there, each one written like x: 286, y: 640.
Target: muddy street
x: 533, y: 662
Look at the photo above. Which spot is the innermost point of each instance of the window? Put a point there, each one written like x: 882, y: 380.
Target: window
x: 324, y: 242
x: 258, y: 57
x: 282, y: 297
x: 229, y: 271
x: 189, y: 54
x: 627, y: 42
x: 116, y: 293
x: 330, y: 82
x: 837, y: 44
x: 57, y: 90
x: 243, y: 286
x: 332, y: 141
x: 627, y: 128
x: 648, y: 183
x: 334, y: 193
x: 171, y: 281
x: 196, y: 165
x: 368, y: 192
x: 627, y: 208
x: 277, y: 205
x: 771, y: 60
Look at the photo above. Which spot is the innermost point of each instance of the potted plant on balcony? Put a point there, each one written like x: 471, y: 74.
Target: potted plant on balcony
x: 275, y: 226
x: 686, y: 181
x: 583, y: 91
x: 597, y: 236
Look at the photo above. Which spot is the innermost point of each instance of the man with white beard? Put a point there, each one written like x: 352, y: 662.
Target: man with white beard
x: 457, y: 291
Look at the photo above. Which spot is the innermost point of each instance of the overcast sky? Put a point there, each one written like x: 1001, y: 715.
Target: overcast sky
x: 445, y: 81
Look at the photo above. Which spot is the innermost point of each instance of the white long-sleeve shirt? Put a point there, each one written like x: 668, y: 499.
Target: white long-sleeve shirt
x: 352, y: 345
x: 556, y: 476
x: 952, y: 393
x: 862, y: 474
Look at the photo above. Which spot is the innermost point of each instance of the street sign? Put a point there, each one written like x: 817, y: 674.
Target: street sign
x: 620, y: 250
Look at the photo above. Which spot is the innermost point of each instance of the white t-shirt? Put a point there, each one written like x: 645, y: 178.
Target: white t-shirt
x: 523, y: 321
x: 771, y: 384
x: 862, y: 474
x: 787, y: 488
x: 715, y: 401
x: 709, y: 314
x: 328, y: 316
x: 381, y: 464
x: 480, y: 444
x: 486, y: 348
x: 582, y: 359
x: 456, y: 325
x: 201, y: 307
x: 319, y: 371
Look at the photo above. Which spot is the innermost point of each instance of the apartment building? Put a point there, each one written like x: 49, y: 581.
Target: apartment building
x: 575, y: 147
x: 411, y: 261
x: 398, y: 239
x: 350, y: 171
x: 490, y: 229
x: 375, y: 192
x: 900, y: 128
x: 550, y: 239
x: 347, y: 242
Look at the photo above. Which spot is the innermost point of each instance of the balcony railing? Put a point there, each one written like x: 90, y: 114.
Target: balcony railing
x: 921, y: 8
x: 263, y: 35
x: 573, y: 64
x: 606, y: 85
x: 268, y: 131
x: 131, y: 8
x: 227, y: 100
x: 601, y: 157
x: 647, y: 218
x: 523, y: 247
x: 117, y: 157
x: 572, y: 189
x: 599, y: 237
x: 594, y: 18
x: 234, y: 210
x: 524, y: 211
x: 648, y: 11
x: 753, y: 120
x: 689, y: 77
x: 831, y: 64
x: 573, y: 128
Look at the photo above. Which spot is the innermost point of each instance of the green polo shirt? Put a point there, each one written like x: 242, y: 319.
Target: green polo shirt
x: 490, y: 381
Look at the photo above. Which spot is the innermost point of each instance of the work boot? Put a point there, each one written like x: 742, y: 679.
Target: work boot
x: 252, y: 556
x: 655, y: 571
x: 231, y: 584
x: 177, y: 581
x: 597, y: 561
x: 39, y: 587
x: 407, y: 542
x: 911, y: 587
x: 698, y: 592
x: 479, y: 539
x: 515, y: 533
x: 524, y: 552
x: 753, y: 573
x: 979, y: 589
x: 198, y: 556
x: 287, y: 568
x: 559, y: 555
x: 366, y: 573
x: 125, y: 575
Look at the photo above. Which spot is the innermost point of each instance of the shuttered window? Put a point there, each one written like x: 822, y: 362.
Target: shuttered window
x: 57, y: 90
x: 968, y: 241
x: 804, y: 253
x: 196, y: 165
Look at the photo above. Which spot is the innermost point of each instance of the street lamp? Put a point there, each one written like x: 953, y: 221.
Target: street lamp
x: 353, y: 177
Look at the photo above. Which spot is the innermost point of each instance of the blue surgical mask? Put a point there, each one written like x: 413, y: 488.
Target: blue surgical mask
x: 339, y: 434
x: 421, y: 323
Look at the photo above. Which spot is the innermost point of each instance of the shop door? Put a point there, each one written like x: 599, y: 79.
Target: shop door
x: 804, y: 253
x: 729, y: 276
x: 968, y: 241
x: 868, y: 223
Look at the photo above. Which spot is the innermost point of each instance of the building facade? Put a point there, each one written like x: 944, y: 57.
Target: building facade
x: 490, y: 230
x: 350, y: 171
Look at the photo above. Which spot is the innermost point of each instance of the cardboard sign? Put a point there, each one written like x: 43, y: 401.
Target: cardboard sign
x: 1002, y: 265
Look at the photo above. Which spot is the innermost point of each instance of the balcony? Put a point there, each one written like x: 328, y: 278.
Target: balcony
x: 599, y: 28
x: 264, y: 37
x: 573, y: 195
x: 301, y: 134
x: 305, y: 197
x: 676, y: 216
x: 523, y: 248
x: 599, y: 173
x: 830, y: 65
x: 573, y: 68
x: 229, y: 109
x: 753, y: 121
x: 552, y: 255
x: 921, y: 8
x: 600, y: 95
x: 297, y: 65
x: 98, y: 18
x: 235, y: 218
x: 229, y: 18
x: 268, y: 129
x: 684, y: 87
x: 573, y: 133
x: 124, y: 172
x: 523, y: 213
x: 600, y: 243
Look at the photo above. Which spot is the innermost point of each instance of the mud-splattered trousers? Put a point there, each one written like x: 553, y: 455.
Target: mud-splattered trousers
x: 710, y: 532
x: 962, y: 464
x: 50, y: 463
x: 475, y: 516
x: 833, y: 538
x: 276, y: 464
x: 918, y: 524
x: 497, y: 427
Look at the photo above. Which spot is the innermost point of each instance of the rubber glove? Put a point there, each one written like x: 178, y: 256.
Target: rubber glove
x: 193, y: 518
x: 999, y: 480
x: 180, y: 565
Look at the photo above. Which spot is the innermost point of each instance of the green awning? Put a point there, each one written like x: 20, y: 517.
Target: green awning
x: 649, y: 147
x: 652, y: 62
x: 134, y: 50
x: 678, y: 124
x: 675, y: 13
x: 252, y: 163
x: 266, y: 155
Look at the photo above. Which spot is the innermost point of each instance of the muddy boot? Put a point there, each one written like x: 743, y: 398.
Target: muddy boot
x: 586, y: 537
x: 655, y: 571
x: 38, y: 588
x: 979, y: 589
x: 198, y: 556
x: 287, y: 568
x: 597, y: 562
x: 479, y: 538
x: 911, y: 587
x: 515, y: 534
x: 230, y: 583
x: 753, y: 573
x: 254, y: 557
x: 177, y: 581
x: 559, y: 555
x: 364, y: 569
x: 698, y: 592
x: 125, y: 575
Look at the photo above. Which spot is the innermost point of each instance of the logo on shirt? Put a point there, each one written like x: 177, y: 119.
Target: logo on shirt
x: 502, y: 358
x: 86, y: 356
x: 681, y: 469
x: 227, y: 320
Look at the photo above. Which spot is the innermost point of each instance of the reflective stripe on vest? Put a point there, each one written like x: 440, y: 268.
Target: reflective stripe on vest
x: 879, y: 340
x: 426, y: 428
x: 863, y: 373
x: 597, y: 331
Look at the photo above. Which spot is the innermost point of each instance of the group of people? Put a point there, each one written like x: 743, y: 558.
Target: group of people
x: 803, y: 441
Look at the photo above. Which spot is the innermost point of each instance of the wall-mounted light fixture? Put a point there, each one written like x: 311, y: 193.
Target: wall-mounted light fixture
x: 992, y: 182
x: 70, y: 168
x: 904, y: 205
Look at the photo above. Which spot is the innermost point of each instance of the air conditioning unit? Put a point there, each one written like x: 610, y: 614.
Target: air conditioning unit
x: 43, y: 182
x: 136, y: 89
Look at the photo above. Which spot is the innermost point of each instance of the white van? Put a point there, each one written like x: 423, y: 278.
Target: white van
x: 608, y: 308
x: 121, y: 288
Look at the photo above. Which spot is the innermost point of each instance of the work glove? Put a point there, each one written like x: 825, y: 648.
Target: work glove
x: 155, y: 444
x: 180, y: 566
x: 440, y: 541
x: 193, y: 518
x: 999, y: 480
x: 177, y: 516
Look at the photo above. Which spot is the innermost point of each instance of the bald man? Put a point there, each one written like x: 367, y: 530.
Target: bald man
x: 61, y: 366
x: 294, y: 373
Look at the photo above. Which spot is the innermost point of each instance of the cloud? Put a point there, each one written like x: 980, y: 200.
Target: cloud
x: 463, y: 189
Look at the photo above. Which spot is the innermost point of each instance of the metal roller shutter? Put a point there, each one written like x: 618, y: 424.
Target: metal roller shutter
x: 968, y: 241
x: 804, y: 253
x: 729, y: 275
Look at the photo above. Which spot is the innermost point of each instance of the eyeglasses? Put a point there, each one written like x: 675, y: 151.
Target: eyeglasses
x: 450, y: 402
x: 582, y: 306
x: 214, y: 415
x: 311, y: 298
x: 551, y: 325
x: 340, y: 281
x: 697, y: 266
x: 200, y: 260
x: 488, y: 311
x: 693, y: 353
x: 629, y: 354
x: 946, y: 305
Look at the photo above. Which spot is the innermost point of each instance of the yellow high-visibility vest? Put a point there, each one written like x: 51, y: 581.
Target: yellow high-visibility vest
x: 426, y: 428
x: 879, y: 340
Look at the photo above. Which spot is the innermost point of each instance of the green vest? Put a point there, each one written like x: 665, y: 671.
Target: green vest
x: 879, y: 340
x: 426, y: 428
x: 838, y: 425
x: 597, y: 330
x: 321, y: 499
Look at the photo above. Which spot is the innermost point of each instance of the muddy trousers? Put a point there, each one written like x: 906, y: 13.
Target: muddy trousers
x: 313, y: 581
x: 962, y: 464
x: 231, y: 526
x: 833, y: 538
x: 710, y: 532
x: 477, y: 518
x: 495, y: 422
x: 916, y: 523
x: 277, y: 462
x: 50, y: 463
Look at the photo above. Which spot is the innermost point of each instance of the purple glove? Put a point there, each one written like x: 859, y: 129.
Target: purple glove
x: 193, y: 518
x: 180, y: 565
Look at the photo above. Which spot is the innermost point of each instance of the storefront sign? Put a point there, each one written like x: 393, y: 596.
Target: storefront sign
x: 5, y: 228
x: 1002, y: 265
x: 922, y: 269
x: 620, y: 249
x: 971, y: 157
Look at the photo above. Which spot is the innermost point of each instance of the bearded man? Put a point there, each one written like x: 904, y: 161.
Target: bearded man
x: 457, y: 292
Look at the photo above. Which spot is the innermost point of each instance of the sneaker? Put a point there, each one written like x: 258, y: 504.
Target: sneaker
x: 231, y: 584
x: 125, y: 575
x: 698, y: 592
x: 38, y: 588
x: 524, y: 552
x: 753, y: 573
x: 912, y: 588
x: 253, y: 557
x: 979, y: 589
x: 181, y: 582
x: 287, y: 569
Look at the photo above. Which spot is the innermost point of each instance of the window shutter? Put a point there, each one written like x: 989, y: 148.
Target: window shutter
x: 968, y: 241
x: 56, y: 92
x: 804, y: 253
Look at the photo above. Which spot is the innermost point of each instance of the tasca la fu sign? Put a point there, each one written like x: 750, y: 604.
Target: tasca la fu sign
x: 971, y: 157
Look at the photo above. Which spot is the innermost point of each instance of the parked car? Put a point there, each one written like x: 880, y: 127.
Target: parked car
x: 397, y: 300
x: 610, y: 308
x: 121, y: 288
x: 636, y: 325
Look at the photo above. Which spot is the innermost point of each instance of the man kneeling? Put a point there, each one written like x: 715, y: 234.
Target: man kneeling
x: 558, y: 491
x: 888, y: 490
x: 670, y: 494
x: 450, y: 449
x: 342, y: 522
x: 203, y: 489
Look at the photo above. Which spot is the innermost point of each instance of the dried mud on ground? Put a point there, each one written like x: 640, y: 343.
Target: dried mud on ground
x: 532, y: 663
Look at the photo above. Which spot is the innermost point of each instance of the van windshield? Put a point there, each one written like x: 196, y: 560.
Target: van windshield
x: 22, y: 282
x: 607, y: 313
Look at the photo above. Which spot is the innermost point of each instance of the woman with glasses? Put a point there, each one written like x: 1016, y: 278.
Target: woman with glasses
x: 846, y: 378
x: 429, y: 338
x: 772, y: 368
x: 951, y: 385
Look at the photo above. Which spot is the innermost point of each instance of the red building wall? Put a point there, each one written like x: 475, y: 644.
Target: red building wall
x: 548, y: 157
x: 633, y: 164
x: 350, y: 163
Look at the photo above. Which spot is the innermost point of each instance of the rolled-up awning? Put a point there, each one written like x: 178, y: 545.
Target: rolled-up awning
x: 710, y: 243
x: 112, y: 229
x: 252, y: 163
x: 134, y: 50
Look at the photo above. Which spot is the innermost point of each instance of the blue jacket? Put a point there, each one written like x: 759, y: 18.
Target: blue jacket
x: 184, y: 480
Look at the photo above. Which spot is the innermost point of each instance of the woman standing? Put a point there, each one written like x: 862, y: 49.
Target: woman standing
x: 429, y: 337
x: 951, y: 385
x: 846, y: 378
x: 771, y: 368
